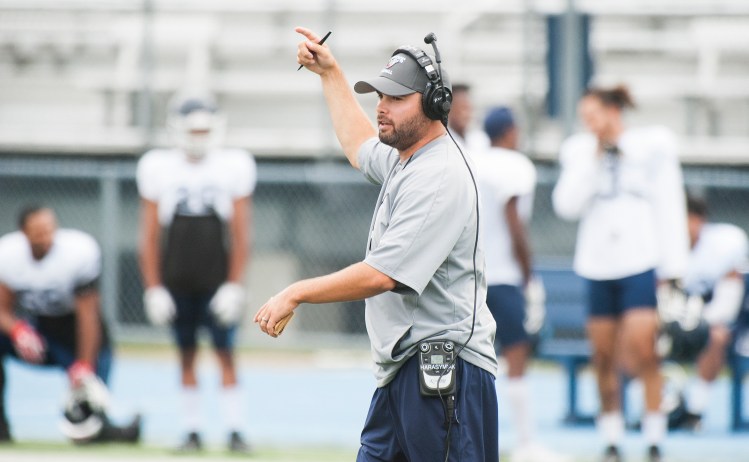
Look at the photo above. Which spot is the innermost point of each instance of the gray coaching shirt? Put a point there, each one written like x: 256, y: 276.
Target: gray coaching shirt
x: 422, y: 235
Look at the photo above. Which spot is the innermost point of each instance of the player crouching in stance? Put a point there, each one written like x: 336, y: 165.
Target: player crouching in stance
x: 718, y: 255
x: 50, y: 316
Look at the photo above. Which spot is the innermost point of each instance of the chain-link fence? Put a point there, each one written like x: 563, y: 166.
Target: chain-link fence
x: 309, y: 219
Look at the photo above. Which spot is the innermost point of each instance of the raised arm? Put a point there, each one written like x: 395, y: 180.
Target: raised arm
x: 350, y: 122
x: 521, y: 249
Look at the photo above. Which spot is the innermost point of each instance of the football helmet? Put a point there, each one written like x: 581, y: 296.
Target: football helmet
x: 679, y: 343
x: 196, y: 124
x: 683, y: 330
x: 84, y: 415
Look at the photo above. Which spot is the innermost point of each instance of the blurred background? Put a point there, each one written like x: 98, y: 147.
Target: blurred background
x: 84, y: 87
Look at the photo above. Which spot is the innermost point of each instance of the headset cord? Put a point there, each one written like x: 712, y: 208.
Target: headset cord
x: 449, y: 405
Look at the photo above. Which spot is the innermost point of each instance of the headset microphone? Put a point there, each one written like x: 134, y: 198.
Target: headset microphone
x: 445, y: 100
x: 431, y: 39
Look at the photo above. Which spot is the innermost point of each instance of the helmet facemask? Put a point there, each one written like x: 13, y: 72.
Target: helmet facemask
x: 197, y: 127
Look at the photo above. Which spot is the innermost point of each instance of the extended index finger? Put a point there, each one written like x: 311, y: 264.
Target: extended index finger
x: 311, y: 36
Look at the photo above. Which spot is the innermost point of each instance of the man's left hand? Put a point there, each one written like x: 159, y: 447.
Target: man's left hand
x: 277, y: 310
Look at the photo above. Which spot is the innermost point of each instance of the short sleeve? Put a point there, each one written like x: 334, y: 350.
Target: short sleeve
x: 244, y: 170
x: 147, y: 176
x: 88, y: 270
x: 6, y: 259
x: 734, y: 248
x: 428, y: 217
x: 518, y: 178
x: 375, y: 160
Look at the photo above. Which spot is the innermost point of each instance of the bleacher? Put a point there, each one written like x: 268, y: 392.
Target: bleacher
x: 95, y: 78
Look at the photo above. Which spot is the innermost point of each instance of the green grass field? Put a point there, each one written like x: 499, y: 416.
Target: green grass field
x: 60, y: 452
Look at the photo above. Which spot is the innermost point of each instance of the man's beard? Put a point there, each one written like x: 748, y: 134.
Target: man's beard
x: 407, y: 134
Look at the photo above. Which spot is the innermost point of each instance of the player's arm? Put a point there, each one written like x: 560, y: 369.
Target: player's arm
x: 671, y: 216
x: 355, y: 282
x: 725, y: 304
x: 88, y: 324
x: 520, y: 246
x: 157, y: 301
x: 239, y: 232
x: 149, y: 248
x: 577, y: 183
x: 350, y: 122
x: 7, y: 317
x: 26, y: 341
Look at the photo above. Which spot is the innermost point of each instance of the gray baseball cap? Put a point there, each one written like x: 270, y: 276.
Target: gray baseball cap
x: 401, y: 76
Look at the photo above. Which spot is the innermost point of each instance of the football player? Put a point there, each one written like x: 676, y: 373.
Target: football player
x: 718, y: 254
x: 195, y: 212
x: 507, y: 183
x: 50, y: 314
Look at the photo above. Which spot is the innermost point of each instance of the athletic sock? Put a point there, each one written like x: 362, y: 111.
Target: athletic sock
x: 654, y: 427
x: 518, y: 395
x: 191, y: 409
x: 232, y: 404
x: 611, y: 427
x: 699, y: 396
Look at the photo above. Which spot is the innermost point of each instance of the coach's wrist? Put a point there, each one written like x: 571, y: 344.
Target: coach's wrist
x: 292, y: 295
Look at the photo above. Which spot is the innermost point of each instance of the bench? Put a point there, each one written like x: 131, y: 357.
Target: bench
x: 738, y: 362
x: 563, y: 340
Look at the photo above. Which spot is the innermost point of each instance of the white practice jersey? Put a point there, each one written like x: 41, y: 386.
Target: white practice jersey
x: 47, y: 286
x: 503, y: 174
x: 202, y: 188
x: 631, y: 206
x: 720, y: 249
x: 475, y: 141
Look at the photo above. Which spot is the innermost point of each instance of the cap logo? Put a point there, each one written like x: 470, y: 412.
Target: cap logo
x: 395, y: 60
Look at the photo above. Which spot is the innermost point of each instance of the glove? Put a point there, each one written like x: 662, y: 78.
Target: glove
x: 80, y: 372
x: 675, y: 305
x: 92, y: 391
x: 228, y: 303
x: 159, y: 305
x: 27, y: 342
x: 535, y: 306
x: 672, y: 301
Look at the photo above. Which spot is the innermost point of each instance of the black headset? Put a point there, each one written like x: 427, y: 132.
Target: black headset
x: 437, y: 98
